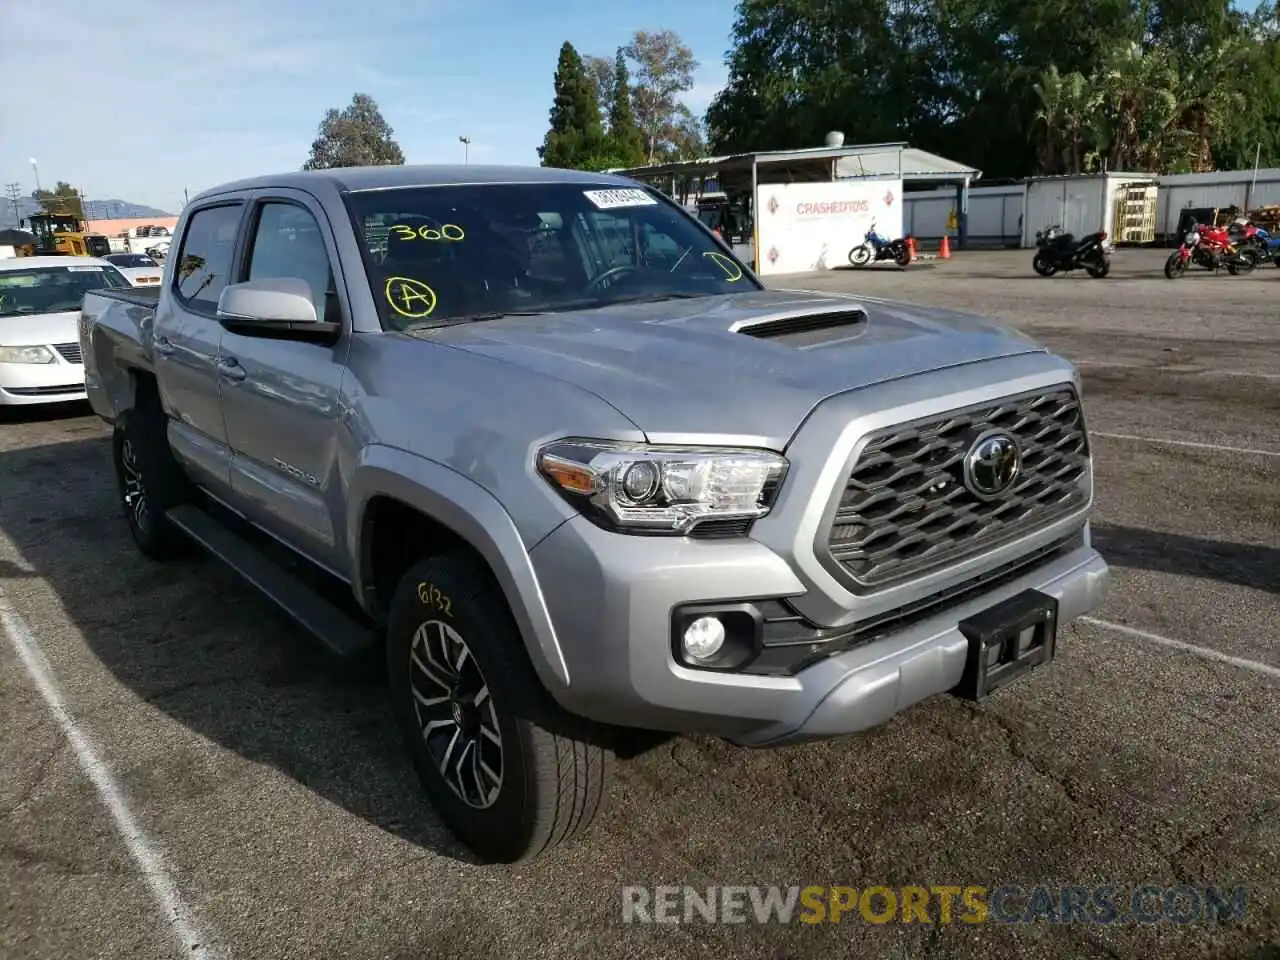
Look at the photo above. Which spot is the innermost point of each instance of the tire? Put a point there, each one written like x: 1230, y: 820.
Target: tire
x: 902, y: 256
x: 544, y: 773
x: 149, y: 482
x: 1042, y: 266
x: 1243, y: 264
x: 860, y: 255
x: 1099, y: 269
x: 1174, y: 267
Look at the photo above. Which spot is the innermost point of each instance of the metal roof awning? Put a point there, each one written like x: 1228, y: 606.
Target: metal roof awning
x: 814, y: 164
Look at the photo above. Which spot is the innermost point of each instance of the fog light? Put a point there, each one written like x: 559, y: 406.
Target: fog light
x: 703, y: 638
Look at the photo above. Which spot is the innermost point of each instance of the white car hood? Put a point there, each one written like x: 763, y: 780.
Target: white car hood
x: 44, y: 329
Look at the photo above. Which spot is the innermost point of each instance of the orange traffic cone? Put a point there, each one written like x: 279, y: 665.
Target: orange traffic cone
x: 911, y: 248
x: 945, y: 252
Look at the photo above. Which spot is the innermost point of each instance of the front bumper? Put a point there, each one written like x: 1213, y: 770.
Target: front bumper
x: 611, y: 597
x: 30, y: 383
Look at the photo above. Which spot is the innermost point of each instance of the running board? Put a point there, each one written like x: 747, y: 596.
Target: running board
x: 339, y: 631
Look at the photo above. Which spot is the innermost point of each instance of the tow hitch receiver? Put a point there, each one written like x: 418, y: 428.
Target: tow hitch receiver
x: 1007, y: 641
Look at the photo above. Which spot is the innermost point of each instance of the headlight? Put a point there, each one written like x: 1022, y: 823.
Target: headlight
x: 637, y: 488
x: 1191, y: 239
x: 26, y: 355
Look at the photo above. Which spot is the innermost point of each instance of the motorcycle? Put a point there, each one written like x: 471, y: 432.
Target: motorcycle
x: 1246, y: 235
x: 1059, y: 251
x: 875, y: 247
x: 1210, y: 248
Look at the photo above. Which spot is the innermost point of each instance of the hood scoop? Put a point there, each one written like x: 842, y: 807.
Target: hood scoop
x: 807, y: 328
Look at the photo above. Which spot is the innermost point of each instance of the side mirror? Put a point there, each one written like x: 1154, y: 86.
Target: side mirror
x: 279, y: 307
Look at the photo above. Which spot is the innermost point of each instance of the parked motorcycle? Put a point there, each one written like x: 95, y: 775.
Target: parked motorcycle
x: 1246, y: 235
x: 1209, y: 248
x: 875, y: 247
x: 1062, y: 252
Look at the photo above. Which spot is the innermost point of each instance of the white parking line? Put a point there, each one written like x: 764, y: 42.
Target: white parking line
x: 1253, y: 665
x: 173, y: 908
x: 1187, y: 443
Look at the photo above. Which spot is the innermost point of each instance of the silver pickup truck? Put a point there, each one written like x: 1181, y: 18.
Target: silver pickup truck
x: 538, y: 438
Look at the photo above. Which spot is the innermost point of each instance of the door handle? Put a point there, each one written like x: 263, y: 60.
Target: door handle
x: 162, y: 345
x: 231, y: 370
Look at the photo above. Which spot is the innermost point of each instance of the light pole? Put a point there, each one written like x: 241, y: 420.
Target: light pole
x: 466, y: 149
x: 35, y: 168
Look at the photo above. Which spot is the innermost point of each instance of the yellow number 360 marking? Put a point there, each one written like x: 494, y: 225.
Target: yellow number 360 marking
x: 447, y: 231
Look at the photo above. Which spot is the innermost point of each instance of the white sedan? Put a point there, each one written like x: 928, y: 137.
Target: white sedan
x: 40, y: 300
x: 139, y: 269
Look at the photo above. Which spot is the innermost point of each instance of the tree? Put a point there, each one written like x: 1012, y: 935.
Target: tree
x: 665, y: 68
x: 355, y: 137
x: 576, y: 138
x: 600, y: 74
x: 63, y: 199
x: 626, y: 142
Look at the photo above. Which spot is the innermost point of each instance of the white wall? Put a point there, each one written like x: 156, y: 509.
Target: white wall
x: 813, y: 226
x: 7, y: 253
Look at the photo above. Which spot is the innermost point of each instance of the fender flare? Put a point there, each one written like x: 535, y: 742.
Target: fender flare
x: 476, y: 516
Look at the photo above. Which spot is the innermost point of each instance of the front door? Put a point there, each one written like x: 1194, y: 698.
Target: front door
x: 282, y: 399
x: 186, y: 339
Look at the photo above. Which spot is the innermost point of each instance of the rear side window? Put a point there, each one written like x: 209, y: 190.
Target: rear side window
x: 204, y: 264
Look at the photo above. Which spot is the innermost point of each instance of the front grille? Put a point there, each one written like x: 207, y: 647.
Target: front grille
x: 906, y: 510
x: 70, y: 352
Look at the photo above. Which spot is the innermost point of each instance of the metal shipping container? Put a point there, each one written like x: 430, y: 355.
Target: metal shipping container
x: 1223, y: 188
x: 1086, y: 203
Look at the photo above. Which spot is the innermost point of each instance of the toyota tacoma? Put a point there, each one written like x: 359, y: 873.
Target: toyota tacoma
x: 539, y: 439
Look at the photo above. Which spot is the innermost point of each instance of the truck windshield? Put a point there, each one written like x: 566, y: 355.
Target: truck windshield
x: 457, y: 253
x: 53, y: 289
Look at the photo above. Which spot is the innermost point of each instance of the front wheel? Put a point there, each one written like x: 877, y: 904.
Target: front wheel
x: 510, y: 772
x: 1175, y: 266
x: 1043, y: 266
x: 1099, y: 269
x: 860, y: 255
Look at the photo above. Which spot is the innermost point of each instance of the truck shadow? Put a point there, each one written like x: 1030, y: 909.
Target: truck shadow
x: 194, y: 641
x: 1238, y: 564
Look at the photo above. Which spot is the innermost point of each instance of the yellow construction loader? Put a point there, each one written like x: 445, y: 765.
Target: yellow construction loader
x: 58, y: 234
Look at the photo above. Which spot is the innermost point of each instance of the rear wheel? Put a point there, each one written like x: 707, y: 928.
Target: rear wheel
x: 510, y: 772
x: 149, y: 481
x: 1100, y: 268
x: 902, y: 255
x: 1043, y: 266
x: 1175, y: 266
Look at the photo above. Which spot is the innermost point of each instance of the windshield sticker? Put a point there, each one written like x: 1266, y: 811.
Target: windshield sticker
x: 446, y: 231
x: 88, y: 269
x: 731, y: 269
x: 410, y: 298
x: 611, y: 199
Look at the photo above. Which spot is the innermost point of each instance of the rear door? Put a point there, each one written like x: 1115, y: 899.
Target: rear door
x: 187, y: 338
x: 282, y: 399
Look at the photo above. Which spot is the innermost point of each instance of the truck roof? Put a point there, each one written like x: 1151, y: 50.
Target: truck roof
x: 421, y: 175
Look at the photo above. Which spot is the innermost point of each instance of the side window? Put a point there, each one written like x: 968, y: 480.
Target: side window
x: 204, y: 265
x: 288, y: 243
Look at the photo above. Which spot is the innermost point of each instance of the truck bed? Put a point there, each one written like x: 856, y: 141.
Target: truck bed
x: 139, y: 296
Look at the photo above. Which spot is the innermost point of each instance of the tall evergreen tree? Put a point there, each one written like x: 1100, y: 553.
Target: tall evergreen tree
x: 626, y: 142
x: 576, y: 137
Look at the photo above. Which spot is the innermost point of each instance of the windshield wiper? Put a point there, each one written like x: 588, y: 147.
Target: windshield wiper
x: 472, y: 318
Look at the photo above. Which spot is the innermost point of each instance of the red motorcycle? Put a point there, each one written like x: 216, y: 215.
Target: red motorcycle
x: 1210, y: 248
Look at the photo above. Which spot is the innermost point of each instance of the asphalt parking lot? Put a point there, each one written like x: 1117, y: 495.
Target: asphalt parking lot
x: 271, y: 786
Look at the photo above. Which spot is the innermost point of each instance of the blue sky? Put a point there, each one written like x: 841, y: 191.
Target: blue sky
x: 139, y: 100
